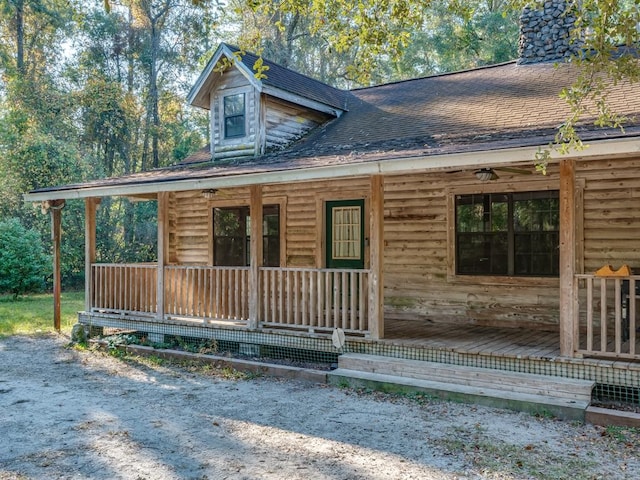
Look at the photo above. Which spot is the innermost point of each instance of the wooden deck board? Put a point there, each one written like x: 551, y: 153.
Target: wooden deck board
x: 474, y: 339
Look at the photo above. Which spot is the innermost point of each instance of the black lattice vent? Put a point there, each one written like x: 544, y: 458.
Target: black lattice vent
x: 617, y: 396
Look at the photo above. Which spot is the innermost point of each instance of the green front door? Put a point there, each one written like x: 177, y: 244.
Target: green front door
x: 345, y: 233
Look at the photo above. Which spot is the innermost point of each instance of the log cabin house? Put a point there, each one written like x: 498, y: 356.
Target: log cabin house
x: 407, y: 217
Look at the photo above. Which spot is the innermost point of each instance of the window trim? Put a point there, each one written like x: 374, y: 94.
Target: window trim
x: 508, y: 253
x: 346, y: 193
x: 219, y: 129
x: 243, y: 201
x: 502, y: 187
x: 224, y: 116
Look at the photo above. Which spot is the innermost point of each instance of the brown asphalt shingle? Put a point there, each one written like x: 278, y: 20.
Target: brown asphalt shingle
x: 484, y: 109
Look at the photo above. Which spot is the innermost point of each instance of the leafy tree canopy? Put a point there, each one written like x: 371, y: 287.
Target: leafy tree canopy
x: 23, y: 264
x: 378, y: 31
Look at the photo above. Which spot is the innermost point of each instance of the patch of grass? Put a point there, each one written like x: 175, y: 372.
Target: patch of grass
x: 499, y: 459
x: 624, y: 435
x: 33, y: 314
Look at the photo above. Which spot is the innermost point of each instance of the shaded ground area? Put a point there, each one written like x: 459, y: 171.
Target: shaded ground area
x: 84, y: 414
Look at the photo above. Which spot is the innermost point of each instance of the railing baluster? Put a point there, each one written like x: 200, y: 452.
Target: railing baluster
x: 617, y: 341
x: 312, y: 299
x: 353, y: 299
x: 304, y: 293
x: 344, y: 292
x: 632, y: 316
x: 618, y: 315
x: 320, y: 298
x: 300, y: 297
x: 603, y: 315
x: 589, y: 314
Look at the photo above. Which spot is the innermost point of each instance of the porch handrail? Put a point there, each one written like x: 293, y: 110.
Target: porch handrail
x: 124, y: 287
x: 315, y: 298
x: 207, y: 292
x: 607, y: 316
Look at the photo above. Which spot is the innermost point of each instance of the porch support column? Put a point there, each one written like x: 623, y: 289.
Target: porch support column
x: 55, y: 207
x: 255, y: 211
x: 376, y: 253
x: 568, y: 287
x: 90, y: 207
x: 163, y: 249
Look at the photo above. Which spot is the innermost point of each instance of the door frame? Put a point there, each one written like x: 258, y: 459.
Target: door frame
x: 329, y: 262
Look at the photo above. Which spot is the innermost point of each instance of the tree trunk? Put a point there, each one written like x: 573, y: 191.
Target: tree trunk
x: 20, y: 36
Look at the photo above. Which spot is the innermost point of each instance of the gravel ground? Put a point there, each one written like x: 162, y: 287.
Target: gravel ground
x: 83, y: 414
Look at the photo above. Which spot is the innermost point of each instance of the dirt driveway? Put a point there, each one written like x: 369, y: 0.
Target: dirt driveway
x: 87, y: 415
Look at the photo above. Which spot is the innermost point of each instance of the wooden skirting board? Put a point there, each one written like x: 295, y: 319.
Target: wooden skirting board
x: 540, y: 394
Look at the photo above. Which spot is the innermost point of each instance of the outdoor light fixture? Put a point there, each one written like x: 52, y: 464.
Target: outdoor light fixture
x: 209, y: 193
x: 485, y: 174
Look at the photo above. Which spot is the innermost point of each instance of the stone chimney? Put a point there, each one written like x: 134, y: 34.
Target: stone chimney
x: 545, y: 35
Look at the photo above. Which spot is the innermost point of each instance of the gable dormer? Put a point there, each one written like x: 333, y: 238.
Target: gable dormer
x: 250, y: 116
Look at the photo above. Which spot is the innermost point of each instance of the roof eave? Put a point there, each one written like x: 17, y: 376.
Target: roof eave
x: 196, y: 96
x: 302, y: 101
x: 600, y: 148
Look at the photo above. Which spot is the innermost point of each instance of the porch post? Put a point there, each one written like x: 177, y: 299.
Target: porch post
x: 568, y: 294
x: 90, y: 207
x: 376, y: 253
x: 55, y: 207
x: 255, y: 211
x: 163, y: 247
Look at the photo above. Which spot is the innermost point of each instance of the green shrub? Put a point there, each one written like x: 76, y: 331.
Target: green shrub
x: 23, y: 263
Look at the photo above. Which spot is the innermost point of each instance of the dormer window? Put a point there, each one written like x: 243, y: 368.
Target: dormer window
x: 234, y: 116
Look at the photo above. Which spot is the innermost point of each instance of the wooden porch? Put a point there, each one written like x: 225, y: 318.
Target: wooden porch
x: 317, y: 301
x: 474, y: 340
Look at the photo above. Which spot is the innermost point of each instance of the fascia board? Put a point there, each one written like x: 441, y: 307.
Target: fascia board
x: 603, y: 148
x: 302, y: 101
x: 206, y: 73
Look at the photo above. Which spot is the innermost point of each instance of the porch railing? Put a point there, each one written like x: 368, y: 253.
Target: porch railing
x: 315, y: 298
x: 207, y: 292
x: 311, y: 299
x: 607, y: 316
x: 124, y: 287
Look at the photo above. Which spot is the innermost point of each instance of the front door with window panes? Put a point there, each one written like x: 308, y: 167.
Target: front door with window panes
x: 345, y: 234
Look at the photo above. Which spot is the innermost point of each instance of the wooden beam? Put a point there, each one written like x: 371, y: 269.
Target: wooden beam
x: 568, y: 293
x: 90, y: 207
x: 163, y: 249
x: 55, y: 207
x: 376, y: 255
x: 255, y: 211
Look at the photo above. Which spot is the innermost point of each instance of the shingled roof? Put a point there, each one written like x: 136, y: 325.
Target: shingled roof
x: 482, y: 110
x: 484, y: 105
x: 279, y: 78
x: 294, y: 82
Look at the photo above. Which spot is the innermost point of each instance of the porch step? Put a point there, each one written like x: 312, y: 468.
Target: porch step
x: 542, y: 394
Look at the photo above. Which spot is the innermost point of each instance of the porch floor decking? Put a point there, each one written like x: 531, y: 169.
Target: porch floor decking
x: 472, y: 339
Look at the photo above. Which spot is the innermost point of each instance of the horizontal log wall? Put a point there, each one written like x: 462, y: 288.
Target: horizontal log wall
x: 286, y: 122
x: 611, y: 213
x: 420, y: 284
x: 611, y: 231
x: 190, y: 220
x: 305, y: 215
x: 223, y: 148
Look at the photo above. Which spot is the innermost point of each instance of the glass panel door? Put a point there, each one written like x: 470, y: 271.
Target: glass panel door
x: 345, y: 234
